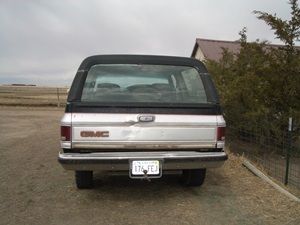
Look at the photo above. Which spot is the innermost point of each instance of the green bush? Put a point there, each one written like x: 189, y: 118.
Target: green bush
x: 260, y: 85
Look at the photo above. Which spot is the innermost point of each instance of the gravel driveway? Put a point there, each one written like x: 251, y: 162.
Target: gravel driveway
x: 36, y: 190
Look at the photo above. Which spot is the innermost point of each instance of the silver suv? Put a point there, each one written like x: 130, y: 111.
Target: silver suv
x: 142, y: 114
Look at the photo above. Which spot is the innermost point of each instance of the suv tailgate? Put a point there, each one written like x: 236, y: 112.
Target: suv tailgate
x: 126, y: 131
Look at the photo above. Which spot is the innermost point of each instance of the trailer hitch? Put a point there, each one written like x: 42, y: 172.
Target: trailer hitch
x: 145, y: 177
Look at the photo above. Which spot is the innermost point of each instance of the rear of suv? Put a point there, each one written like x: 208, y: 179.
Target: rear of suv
x: 142, y: 114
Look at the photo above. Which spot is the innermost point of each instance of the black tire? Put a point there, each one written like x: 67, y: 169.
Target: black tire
x: 193, y: 177
x: 84, y: 179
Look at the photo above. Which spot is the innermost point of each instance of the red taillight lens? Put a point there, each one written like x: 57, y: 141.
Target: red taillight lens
x: 221, y: 133
x: 65, y: 133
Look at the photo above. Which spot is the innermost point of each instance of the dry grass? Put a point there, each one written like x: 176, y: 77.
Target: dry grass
x: 271, y: 163
x: 261, y: 196
x: 32, y: 96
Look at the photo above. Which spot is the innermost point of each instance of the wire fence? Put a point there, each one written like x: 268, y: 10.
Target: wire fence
x: 276, y: 153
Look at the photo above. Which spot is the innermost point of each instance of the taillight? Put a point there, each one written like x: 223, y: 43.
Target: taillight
x: 65, y: 133
x: 221, y: 133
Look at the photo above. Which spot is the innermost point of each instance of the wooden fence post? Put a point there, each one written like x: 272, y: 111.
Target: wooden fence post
x: 58, y: 102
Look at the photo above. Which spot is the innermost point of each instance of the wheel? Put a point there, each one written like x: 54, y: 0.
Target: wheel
x: 84, y: 179
x: 193, y: 177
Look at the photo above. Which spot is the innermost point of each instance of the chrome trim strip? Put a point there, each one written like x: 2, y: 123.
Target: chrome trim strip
x: 143, y: 145
x: 220, y: 144
x: 143, y: 124
x: 65, y: 144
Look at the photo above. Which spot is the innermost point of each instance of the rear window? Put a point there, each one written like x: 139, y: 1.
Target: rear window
x: 121, y: 83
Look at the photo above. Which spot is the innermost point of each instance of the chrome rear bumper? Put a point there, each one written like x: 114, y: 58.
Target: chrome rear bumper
x: 118, y: 161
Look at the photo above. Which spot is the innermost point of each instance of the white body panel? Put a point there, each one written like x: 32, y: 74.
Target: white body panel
x: 125, y: 131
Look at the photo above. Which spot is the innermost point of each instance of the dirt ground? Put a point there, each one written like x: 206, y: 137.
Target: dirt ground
x: 36, y: 190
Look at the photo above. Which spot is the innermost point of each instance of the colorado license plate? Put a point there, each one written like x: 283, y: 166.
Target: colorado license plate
x: 138, y: 168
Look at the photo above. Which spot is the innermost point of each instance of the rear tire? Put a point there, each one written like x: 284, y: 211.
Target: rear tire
x: 84, y: 179
x: 193, y: 177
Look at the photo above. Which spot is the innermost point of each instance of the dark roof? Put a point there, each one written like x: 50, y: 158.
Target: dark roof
x: 140, y: 59
x: 212, y: 49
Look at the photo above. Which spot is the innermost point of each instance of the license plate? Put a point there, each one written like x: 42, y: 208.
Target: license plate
x: 138, y: 168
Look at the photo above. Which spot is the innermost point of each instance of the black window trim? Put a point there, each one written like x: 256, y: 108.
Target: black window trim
x: 76, y: 89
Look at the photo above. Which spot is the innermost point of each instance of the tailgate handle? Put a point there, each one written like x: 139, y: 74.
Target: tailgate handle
x: 146, y: 118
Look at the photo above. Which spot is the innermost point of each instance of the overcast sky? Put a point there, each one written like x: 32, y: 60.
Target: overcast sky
x: 43, y: 42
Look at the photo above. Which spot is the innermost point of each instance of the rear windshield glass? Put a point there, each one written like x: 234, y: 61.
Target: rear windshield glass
x: 121, y: 83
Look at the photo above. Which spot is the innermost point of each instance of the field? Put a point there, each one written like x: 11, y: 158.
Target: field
x: 32, y: 96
